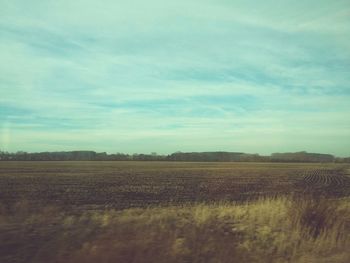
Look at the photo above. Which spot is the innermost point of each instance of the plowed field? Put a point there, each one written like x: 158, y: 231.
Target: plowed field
x: 138, y: 184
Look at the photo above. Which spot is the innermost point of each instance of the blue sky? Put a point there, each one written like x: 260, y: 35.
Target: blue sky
x: 165, y: 76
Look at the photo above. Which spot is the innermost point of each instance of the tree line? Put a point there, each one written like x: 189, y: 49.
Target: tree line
x: 177, y: 156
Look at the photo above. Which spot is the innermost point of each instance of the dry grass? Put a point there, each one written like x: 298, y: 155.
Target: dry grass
x: 186, y: 212
x: 268, y: 230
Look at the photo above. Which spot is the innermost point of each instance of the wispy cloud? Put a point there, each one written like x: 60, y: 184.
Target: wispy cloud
x: 143, y: 76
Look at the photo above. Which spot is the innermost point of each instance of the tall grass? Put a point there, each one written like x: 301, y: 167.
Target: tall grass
x: 268, y: 230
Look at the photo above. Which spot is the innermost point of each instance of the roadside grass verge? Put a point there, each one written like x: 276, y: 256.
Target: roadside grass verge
x: 282, y: 229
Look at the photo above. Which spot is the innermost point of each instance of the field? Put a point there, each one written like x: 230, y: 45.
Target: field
x: 174, y: 212
x: 100, y: 185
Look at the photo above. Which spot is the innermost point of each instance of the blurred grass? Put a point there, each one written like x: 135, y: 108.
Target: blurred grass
x: 282, y: 229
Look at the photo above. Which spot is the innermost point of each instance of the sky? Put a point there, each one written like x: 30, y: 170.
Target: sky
x: 164, y: 76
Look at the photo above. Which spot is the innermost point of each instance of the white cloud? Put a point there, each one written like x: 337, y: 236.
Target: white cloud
x: 106, y: 74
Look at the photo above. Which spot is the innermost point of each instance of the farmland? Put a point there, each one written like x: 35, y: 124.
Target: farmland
x: 122, y: 185
x: 174, y: 212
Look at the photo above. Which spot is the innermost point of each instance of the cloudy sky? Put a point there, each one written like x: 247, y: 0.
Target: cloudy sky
x: 164, y: 76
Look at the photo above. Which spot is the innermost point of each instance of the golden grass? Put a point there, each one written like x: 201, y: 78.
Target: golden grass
x: 268, y: 230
